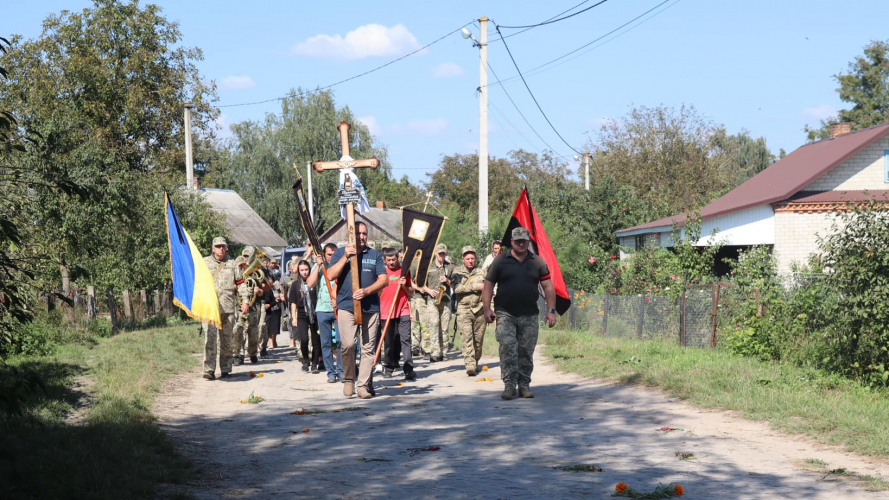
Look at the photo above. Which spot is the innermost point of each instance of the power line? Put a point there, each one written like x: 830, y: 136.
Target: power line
x: 532, y: 93
x: 351, y: 77
x: 520, y: 111
x: 533, y: 70
x: 551, y: 21
x: 526, y: 29
x: 503, y: 115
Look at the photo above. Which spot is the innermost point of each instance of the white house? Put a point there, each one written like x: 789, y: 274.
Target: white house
x: 787, y: 205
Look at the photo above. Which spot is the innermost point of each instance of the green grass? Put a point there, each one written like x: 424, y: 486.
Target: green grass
x: 93, y: 434
x: 829, y: 409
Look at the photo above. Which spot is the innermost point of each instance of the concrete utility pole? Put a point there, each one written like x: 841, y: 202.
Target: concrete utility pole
x: 483, y: 126
x: 586, y: 168
x: 189, y: 161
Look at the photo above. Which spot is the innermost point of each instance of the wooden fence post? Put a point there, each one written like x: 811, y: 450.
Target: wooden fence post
x: 127, y: 306
x: 91, y: 308
x: 168, y: 302
x: 144, y: 309
x: 605, y: 316
x: 715, y: 314
x: 157, y: 303
x: 112, y: 310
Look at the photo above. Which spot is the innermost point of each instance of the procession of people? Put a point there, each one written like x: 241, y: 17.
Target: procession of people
x: 318, y: 307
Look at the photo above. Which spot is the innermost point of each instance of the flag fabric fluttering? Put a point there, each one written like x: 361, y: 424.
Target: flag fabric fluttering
x: 363, y: 205
x: 193, y: 288
x: 525, y: 216
x: 420, y: 233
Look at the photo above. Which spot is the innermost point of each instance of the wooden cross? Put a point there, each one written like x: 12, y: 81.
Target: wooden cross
x: 348, y: 198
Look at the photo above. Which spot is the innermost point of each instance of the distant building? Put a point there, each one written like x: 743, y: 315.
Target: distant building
x: 789, y: 204
x: 383, y: 228
x: 244, y: 224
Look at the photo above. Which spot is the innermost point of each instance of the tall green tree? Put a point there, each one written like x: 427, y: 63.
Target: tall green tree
x: 258, y: 162
x: 742, y: 155
x: 866, y: 87
x: 104, y: 88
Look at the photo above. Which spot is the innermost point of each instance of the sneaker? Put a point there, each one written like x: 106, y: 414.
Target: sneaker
x: 470, y: 372
x: 209, y: 375
x: 363, y: 394
x: 316, y: 370
x: 225, y: 375
x: 254, y: 359
x: 525, y: 392
x: 378, y: 369
x: 348, y: 388
x: 434, y: 359
x: 387, y: 373
x: 331, y: 379
x: 238, y: 361
x: 305, y: 367
x: 410, y: 376
x: 508, y: 392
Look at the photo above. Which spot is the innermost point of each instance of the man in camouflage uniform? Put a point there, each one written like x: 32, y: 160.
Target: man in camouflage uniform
x: 517, y: 274
x: 218, y: 341
x: 248, y: 321
x: 469, y: 282
x: 418, y: 316
x: 438, y: 313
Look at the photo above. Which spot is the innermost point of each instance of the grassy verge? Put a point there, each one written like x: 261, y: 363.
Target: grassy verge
x: 796, y: 400
x: 93, y: 435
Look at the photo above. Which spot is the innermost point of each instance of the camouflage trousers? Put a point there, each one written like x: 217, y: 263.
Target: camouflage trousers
x: 418, y: 310
x: 472, y: 331
x: 517, y: 336
x: 438, y: 318
x: 248, y: 325
x: 218, y: 342
x: 263, y: 331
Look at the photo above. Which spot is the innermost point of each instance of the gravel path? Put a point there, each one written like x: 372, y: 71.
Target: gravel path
x: 483, y: 447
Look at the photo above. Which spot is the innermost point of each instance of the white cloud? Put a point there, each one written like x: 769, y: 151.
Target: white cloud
x: 372, y: 125
x: 434, y: 126
x: 370, y: 40
x: 234, y: 82
x: 447, y: 70
x: 821, y: 112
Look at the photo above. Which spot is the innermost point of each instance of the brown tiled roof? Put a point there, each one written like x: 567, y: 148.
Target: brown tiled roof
x: 785, y: 177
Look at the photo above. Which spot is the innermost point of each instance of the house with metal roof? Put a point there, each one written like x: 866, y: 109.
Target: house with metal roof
x: 383, y: 228
x: 244, y: 224
x: 790, y: 203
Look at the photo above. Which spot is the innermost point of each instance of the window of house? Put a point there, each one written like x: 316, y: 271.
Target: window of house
x: 640, y: 241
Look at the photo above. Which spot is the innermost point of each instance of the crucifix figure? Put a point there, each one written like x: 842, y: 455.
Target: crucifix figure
x: 348, y: 196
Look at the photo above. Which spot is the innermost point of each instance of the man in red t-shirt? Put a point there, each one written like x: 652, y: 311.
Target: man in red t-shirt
x: 398, y: 337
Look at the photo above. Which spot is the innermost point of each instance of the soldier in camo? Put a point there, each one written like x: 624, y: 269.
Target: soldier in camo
x: 218, y: 341
x: 438, y: 312
x: 248, y: 321
x: 469, y: 281
x: 517, y: 274
x: 418, y: 316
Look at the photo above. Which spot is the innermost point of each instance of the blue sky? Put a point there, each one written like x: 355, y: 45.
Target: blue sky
x: 761, y: 65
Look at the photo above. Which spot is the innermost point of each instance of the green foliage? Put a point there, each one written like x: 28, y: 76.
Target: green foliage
x: 866, y: 87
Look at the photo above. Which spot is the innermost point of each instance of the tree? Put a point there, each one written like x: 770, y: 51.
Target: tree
x: 258, y: 162
x: 866, y: 86
x: 104, y: 90
x: 667, y: 155
x: 742, y: 156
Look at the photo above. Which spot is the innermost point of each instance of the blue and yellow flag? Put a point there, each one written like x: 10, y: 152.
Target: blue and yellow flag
x: 193, y: 287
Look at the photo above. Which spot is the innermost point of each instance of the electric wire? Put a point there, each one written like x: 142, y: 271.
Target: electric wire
x: 503, y: 115
x: 491, y: 32
x: 535, y: 69
x: 551, y: 21
x: 514, y: 63
x: 319, y: 89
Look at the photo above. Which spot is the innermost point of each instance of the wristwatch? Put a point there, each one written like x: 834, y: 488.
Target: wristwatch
x: 552, y: 311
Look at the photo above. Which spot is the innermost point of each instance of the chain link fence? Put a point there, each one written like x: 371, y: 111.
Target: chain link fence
x: 694, y: 319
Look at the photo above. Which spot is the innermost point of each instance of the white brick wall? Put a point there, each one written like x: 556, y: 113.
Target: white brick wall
x: 865, y: 170
x: 796, y: 237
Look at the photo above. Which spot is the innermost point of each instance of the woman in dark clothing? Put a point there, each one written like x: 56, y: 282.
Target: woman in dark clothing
x: 302, y: 301
x: 273, y: 302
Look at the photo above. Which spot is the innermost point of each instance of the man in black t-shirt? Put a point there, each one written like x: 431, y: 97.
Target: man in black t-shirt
x: 372, y: 279
x: 517, y: 274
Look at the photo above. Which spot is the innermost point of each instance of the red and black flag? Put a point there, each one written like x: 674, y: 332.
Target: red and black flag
x: 420, y: 231
x: 525, y: 216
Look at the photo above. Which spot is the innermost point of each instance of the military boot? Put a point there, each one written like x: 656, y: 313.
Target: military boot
x: 508, y: 392
x: 525, y: 392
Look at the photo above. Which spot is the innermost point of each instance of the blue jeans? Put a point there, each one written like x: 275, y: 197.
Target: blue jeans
x: 326, y: 321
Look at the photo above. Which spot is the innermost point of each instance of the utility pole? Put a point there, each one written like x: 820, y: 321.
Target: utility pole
x: 189, y: 162
x: 483, y: 127
x: 586, y: 168
x: 311, y: 204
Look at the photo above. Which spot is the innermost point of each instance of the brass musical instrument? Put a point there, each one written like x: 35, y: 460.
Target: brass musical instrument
x: 441, y: 291
x: 254, y: 276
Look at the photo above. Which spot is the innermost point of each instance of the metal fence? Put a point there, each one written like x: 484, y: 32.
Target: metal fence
x: 693, y: 319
